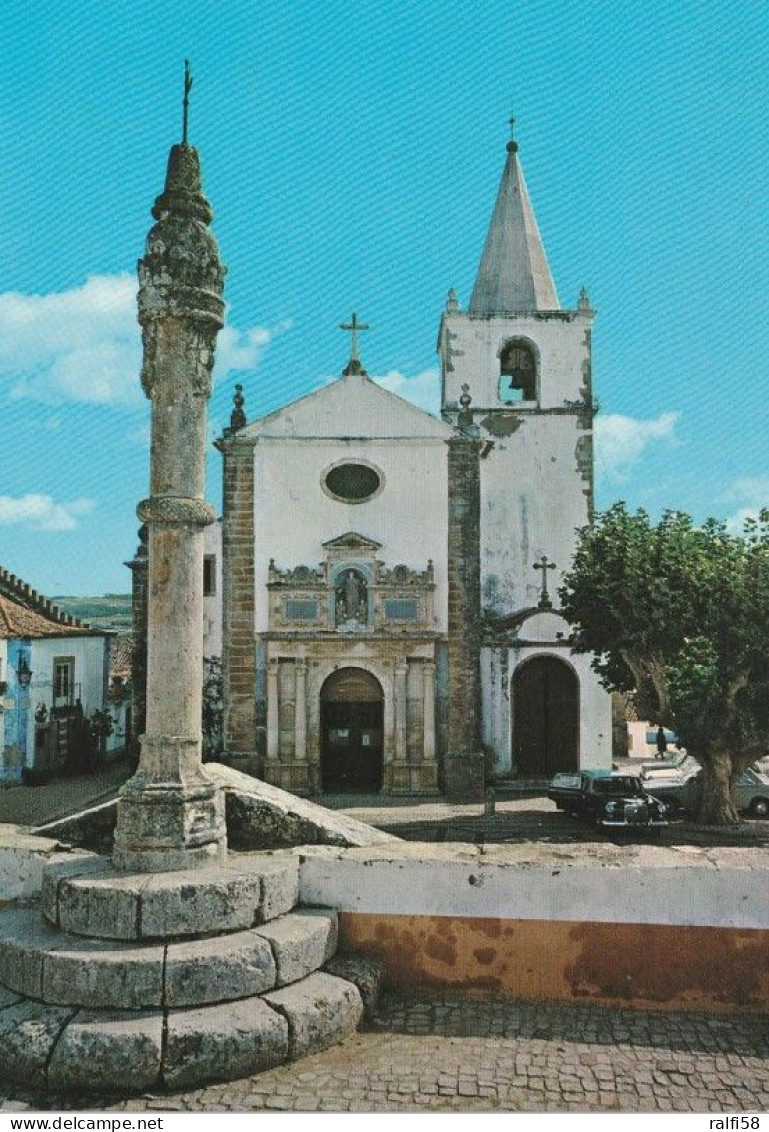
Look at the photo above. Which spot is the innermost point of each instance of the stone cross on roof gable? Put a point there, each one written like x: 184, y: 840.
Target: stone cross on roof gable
x: 353, y: 327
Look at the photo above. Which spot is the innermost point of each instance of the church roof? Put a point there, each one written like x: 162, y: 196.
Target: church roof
x: 513, y: 275
x: 353, y: 407
x: 26, y: 613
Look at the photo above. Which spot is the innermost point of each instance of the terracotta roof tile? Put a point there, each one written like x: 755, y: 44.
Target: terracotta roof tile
x: 26, y: 613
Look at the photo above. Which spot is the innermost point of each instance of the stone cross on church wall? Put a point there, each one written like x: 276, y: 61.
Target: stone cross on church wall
x: 544, y: 565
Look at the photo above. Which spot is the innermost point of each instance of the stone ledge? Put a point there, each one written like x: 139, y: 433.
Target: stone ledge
x: 90, y: 898
x: 258, y: 817
x: 640, y: 884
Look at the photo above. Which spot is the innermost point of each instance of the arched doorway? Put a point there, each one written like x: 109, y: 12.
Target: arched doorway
x: 545, y: 718
x: 351, y: 712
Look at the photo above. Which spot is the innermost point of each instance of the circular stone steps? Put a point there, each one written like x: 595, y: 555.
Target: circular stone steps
x: 61, y: 1047
x: 128, y: 982
x: 89, y: 897
x: 65, y: 970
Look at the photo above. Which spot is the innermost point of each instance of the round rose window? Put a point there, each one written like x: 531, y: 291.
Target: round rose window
x: 352, y: 483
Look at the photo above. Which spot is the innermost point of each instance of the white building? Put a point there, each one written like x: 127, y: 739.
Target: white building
x: 390, y: 580
x: 54, y: 671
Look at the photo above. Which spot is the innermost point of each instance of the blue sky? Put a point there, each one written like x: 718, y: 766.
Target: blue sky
x: 352, y: 155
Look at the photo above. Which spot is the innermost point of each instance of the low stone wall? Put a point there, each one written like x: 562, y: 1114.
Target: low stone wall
x: 638, y: 926
x: 22, y: 858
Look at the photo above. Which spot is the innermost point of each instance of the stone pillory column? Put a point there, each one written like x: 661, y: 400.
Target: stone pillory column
x: 170, y: 814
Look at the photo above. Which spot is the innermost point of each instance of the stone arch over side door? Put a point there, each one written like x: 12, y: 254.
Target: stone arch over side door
x: 545, y: 704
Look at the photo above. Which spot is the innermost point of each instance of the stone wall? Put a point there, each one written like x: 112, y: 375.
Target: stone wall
x: 637, y: 926
x: 239, y: 648
x: 463, y: 767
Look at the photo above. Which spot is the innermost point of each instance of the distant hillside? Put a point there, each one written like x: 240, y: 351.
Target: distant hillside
x: 111, y: 611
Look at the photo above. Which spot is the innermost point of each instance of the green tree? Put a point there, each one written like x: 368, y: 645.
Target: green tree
x: 678, y: 616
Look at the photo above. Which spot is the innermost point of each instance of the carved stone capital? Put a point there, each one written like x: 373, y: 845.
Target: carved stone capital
x: 176, y: 509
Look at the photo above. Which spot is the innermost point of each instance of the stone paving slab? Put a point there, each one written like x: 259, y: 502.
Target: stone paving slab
x: 223, y: 1042
x: 42, y: 963
x: 219, y: 969
x: 28, y: 1036
x: 99, y: 1051
x: 444, y: 1055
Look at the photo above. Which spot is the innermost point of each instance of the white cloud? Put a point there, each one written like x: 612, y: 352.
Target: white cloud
x: 79, y: 345
x: 422, y: 390
x: 620, y: 442
x: 42, y: 512
x: 753, y: 493
x: 735, y: 524
x: 85, y: 344
x: 753, y: 490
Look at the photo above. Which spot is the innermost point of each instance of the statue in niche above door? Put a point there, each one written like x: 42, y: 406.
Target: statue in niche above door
x: 351, y: 598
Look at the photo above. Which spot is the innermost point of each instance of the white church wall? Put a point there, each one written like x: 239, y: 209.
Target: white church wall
x: 293, y: 516
x: 532, y: 501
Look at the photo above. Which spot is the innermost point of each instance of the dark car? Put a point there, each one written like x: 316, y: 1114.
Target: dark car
x: 608, y: 799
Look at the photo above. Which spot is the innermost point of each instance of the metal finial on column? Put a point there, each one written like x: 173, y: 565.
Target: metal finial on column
x: 512, y: 145
x: 186, y: 99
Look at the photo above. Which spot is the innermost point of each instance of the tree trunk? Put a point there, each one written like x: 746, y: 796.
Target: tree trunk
x: 716, y: 802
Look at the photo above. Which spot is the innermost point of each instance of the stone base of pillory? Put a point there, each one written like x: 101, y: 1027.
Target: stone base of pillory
x: 122, y: 982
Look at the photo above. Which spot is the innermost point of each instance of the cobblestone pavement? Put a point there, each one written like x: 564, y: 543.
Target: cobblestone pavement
x: 466, y: 1056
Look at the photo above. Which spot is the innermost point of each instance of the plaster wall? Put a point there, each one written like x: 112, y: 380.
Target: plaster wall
x: 293, y: 515
x: 532, y: 501
x: 652, y: 928
x: 647, y: 885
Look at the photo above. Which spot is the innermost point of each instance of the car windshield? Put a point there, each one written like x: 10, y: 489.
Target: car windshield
x: 617, y: 786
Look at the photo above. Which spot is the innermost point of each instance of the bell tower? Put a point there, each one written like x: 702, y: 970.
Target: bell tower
x: 515, y: 367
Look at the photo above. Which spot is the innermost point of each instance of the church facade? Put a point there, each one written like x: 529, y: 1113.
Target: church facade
x: 389, y: 580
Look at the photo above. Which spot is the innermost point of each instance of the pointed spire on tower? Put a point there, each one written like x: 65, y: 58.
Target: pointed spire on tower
x: 513, y: 275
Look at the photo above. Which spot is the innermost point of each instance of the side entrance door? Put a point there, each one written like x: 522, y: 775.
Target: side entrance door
x: 545, y: 718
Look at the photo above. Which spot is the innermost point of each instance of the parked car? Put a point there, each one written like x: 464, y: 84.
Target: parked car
x: 608, y: 799
x: 751, y: 793
x: 680, y: 788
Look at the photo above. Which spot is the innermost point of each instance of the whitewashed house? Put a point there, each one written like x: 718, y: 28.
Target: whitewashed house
x: 51, y: 666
